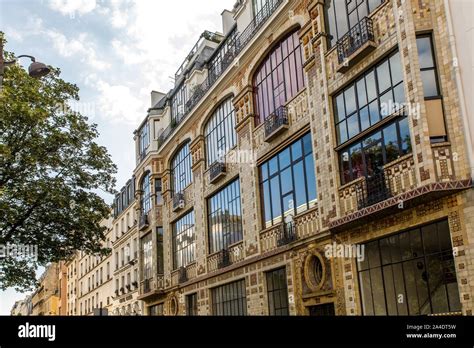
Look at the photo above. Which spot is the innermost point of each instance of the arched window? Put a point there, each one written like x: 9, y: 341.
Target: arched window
x: 220, y: 132
x: 181, y: 169
x: 279, y: 78
x: 146, y: 194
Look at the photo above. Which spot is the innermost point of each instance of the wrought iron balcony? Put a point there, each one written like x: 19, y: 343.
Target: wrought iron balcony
x: 216, y: 171
x: 178, y: 201
x: 143, y: 222
x: 286, y: 234
x: 236, y: 45
x: 359, y: 38
x: 146, y: 288
x: 223, y: 258
x: 374, y: 189
x: 276, y: 123
x: 182, y: 275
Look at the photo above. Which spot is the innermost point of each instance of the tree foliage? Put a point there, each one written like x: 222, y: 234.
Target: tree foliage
x: 51, y: 170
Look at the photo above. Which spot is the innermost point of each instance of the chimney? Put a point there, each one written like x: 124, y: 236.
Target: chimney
x: 156, y: 97
x: 227, y: 21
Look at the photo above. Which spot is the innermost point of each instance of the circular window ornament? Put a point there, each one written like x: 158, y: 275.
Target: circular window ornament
x: 173, y: 306
x: 314, y: 271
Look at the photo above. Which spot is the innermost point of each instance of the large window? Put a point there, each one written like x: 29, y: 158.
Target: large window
x: 411, y: 273
x: 341, y: 15
x: 277, y: 292
x: 279, y: 78
x: 225, y: 217
x: 220, y: 132
x: 369, y: 99
x: 146, y: 194
x: 429, y: 75
x: 376, y: 95
x: 181, y: 169
x: 288, y: 182
x: 147, y: 257
x: 229, y: 299
x: 184, y: 244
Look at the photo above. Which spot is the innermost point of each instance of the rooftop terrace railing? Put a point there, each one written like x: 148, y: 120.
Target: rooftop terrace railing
x: 237, y: 44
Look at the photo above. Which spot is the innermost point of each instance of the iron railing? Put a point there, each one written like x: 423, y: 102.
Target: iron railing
x: 276, y: 120
x: 182, y: 275
x: 178, y: 200
x: 240, y: 42
x: 374, y: 189
x: 216, y: 169
x: 286, y: 234
x: 223, y: 258
x: 355, y: 38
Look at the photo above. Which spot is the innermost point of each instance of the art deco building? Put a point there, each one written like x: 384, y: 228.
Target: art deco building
x: 308, y: 131
x: 125, y: 253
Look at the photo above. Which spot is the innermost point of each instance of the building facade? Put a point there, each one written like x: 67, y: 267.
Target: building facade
x: 316, y: 159
x: 94, y: 279
x: 125, y: 253
x: 45, y: 299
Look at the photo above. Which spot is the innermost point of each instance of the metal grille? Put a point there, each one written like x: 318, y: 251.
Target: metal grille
x: 355, y: 38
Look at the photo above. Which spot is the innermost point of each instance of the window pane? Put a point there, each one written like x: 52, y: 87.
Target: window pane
x: 310, y: 177
x: 342, y: 132
x: 353, y: 126
x: 371, y: 88
x: 405, y: 136
x: 391, y: 142
x: 429, y: 83
x: 383, y: 76
x: 349, y: 96
x: 364, y: 118
x: 425, y: 55
x: 396, y: 68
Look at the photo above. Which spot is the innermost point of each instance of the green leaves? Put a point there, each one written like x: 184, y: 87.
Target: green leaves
x: 50, y: 170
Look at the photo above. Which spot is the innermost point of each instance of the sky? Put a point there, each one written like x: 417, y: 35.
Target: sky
x: 116, y: 51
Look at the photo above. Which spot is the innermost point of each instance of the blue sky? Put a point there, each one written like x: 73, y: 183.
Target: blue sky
x: 116, y: 51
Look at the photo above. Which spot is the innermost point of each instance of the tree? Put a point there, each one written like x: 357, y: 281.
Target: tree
x: 51, y: 169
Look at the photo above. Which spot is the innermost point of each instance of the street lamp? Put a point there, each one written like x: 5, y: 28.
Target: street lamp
x: 35, y: 70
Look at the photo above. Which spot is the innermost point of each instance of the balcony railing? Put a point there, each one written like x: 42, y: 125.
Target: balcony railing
x: 143, y: 221
x: 286, y: 234
x: 182, y: 275
x: 178, y: 201
x: 374, y: 189
x: 276, y: 122
x: 356, y: 37
x: 223, y: 258
x: 240, y: 42
x: 216, y: 171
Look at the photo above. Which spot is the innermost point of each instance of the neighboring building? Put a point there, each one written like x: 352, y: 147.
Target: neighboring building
x: 72, y: 285
x: 94, y: 280
x: 125, y: 253
x: 17, y: 307
x: 292, y: 134
x: 45, y: 299
x: 62, y: 285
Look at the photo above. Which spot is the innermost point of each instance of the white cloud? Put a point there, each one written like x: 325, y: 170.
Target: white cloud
x: 71, y: 7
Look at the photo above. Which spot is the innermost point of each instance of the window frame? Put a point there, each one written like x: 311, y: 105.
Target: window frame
x: 223, y: 197
x: 272, y: 292
x: 181, y: 168
x: 220, y: 128
x: 401, y: 262
x: 287, y: 69
x: 276, y: 219
x: 189, y: 250
x: 222, y: 305
x: 146, y: 201
x: 433, y: 68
